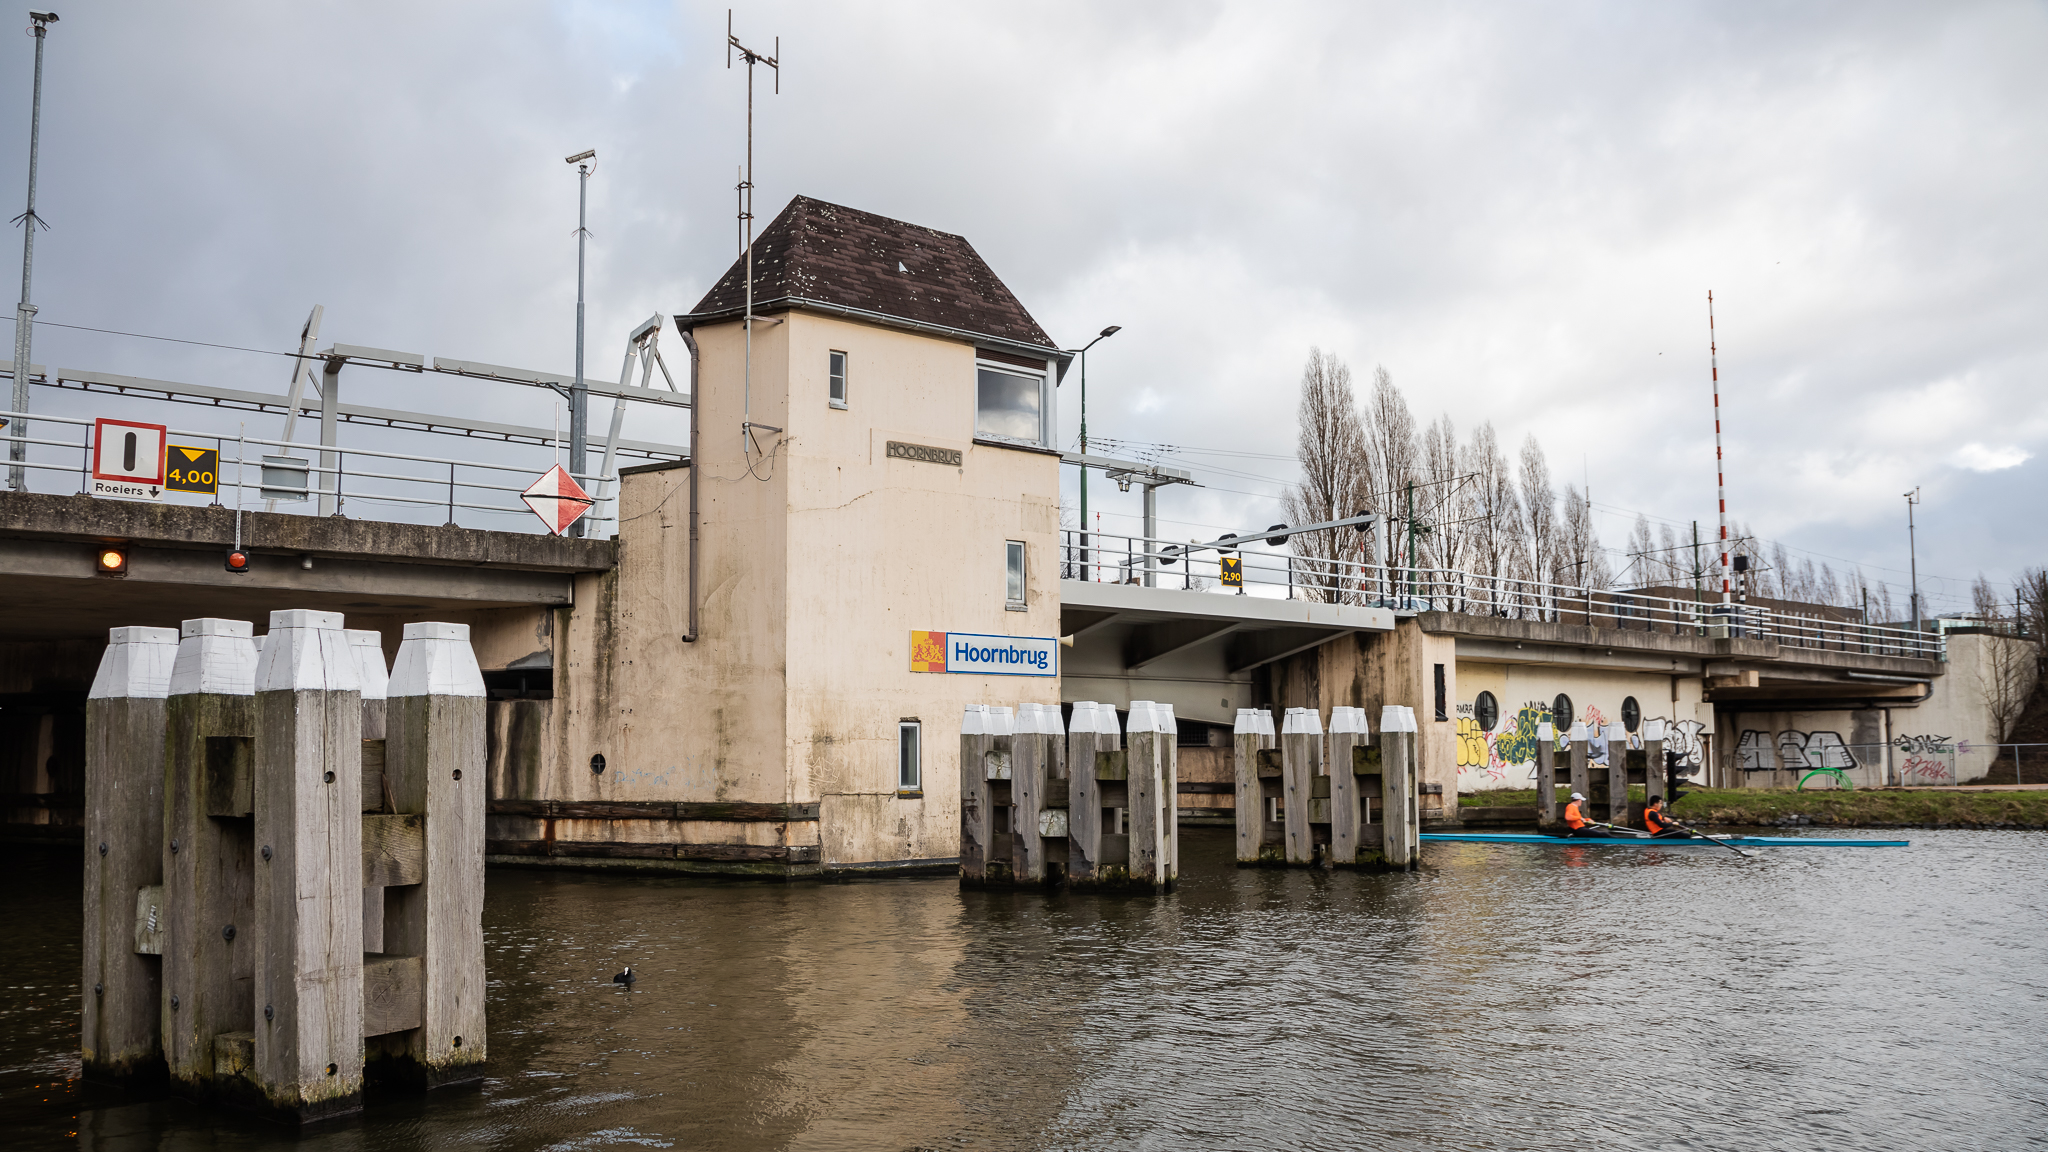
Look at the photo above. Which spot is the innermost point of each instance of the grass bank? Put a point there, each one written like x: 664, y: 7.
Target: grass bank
x: 1862, y: 808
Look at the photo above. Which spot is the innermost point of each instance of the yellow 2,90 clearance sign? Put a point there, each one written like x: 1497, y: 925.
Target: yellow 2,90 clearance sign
x: 985, y: 655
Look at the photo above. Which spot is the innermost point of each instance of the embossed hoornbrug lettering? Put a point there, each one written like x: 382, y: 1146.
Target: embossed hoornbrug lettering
x: 901, y: 451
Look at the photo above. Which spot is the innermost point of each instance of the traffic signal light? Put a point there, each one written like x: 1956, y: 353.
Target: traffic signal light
x: 111, y: 561
x: 238, y: 561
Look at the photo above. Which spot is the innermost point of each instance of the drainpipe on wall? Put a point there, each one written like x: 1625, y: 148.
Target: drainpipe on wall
x: 690, y: 339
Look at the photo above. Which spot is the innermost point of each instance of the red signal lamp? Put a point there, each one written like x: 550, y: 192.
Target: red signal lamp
x: 238, y: 561
x: 111, y: 561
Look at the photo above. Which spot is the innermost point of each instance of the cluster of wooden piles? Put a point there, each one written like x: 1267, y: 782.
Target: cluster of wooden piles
x: 284, y: 862
x: 1346, y: 798
x: 1605, y: 786
x: 1081, y: 804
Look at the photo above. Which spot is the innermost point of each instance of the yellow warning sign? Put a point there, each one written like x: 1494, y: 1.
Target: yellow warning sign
x: 192, y: 470
x: 1233, y: 572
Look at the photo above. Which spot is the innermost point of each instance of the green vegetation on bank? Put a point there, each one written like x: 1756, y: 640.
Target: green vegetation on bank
x: 1861, y: 808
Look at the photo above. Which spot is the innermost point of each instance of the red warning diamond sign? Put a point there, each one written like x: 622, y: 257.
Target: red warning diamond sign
x: 557, y: 499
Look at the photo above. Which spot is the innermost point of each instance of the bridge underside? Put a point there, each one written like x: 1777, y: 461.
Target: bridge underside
x: 1194, y: 650
x: 175, y: 571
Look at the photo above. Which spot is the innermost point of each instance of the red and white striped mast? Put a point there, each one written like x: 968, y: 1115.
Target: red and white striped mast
x: 1720, y: 465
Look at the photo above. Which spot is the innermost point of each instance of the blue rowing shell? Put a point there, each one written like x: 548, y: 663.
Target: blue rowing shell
x: 1647, y: 842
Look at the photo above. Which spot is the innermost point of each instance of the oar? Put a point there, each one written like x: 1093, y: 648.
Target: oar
x: 1716, y: 840
x: 1631, y: 832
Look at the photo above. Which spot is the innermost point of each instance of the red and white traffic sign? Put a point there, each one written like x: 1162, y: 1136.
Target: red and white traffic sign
x: 557, y: 499
x: 128, y: 459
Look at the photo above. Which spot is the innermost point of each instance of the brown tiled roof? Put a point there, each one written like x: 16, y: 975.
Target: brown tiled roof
x: 833, y: 255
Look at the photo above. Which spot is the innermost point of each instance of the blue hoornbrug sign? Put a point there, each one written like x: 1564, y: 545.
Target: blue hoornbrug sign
x: 1002, y: 655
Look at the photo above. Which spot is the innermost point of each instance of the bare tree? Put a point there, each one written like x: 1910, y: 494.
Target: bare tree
x: 1497, y: 524
x: 1443, y: 500
x: 1582, y: 562
x: 1828, y: 591
x: 1391, y: 443
x: 2011, y: 662
x: 1641, y: 570
x: 2033, y: 602
x: 1070, y: 564
x: 1780, y: 573
x: 1539, y: 512
x: 1671, y: 561
x: 1331, y: 447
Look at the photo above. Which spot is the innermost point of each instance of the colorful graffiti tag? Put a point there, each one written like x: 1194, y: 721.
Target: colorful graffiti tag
x: 1511, y: 750
x: 1929, y: 759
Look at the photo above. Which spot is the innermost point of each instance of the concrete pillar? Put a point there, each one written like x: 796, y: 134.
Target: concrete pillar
x: 124, y: 787
x: 433, y: 929
x: 1653, y: 760
x: 307, y: 1059
x: 1150, y: 751
x: 1581, y: 765
x: 1546, y: 774
x: 367, y: 647
x: 1617, y: 774
x: 1397, y: 787
x: 1000, y: 770
x: 210, y: 938
x: 1096, y: 786
x: 1251, y: 804
x: 1301, y: 760
x: 1347, y: 817
x: 977, y: 822
x: 1027, y: 792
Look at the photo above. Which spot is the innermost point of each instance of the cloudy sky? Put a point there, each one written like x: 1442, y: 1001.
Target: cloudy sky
x: 1517, y: 209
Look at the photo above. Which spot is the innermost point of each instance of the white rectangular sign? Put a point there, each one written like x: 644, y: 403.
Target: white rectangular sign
x: 128, y: 459
x: 1002, y: 655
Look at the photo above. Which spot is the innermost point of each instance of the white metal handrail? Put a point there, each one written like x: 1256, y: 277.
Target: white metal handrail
x: 1120, y: 558
x: 338, y: 471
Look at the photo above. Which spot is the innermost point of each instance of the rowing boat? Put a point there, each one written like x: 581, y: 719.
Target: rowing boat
x: 1649, y: 842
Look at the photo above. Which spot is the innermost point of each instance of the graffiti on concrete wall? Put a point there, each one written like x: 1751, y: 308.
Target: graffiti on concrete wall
x: 1511, y: 749
x: 1805, y: 751
x: 1927, y: 759
x: 1792, y: 751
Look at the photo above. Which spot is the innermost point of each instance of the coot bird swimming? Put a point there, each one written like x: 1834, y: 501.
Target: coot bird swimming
x: 627, y: 978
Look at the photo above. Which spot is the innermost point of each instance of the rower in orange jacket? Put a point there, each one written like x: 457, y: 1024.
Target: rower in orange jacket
x: 1575, y: 819
x: 1660, y: 824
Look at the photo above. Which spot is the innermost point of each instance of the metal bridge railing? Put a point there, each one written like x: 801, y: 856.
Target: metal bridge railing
x: 356, y: 474
x: 1116, y: 558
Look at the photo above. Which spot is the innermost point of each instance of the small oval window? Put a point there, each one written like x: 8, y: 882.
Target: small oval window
x: 1486, y: 710
x: 1561, y: 713
x: 1631, y: 714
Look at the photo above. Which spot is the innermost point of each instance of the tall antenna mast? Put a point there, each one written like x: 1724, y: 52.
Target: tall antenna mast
x: 1720, y: 466
x: 746, y: 191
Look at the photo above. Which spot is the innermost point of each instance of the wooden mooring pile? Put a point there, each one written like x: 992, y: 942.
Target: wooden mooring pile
x: 1081, y: 804
x: 284, y: 857
x: 1346, y: 798
x: 1605, y: 786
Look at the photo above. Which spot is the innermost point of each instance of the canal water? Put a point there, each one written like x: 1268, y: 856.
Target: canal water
x: 1506, y: 997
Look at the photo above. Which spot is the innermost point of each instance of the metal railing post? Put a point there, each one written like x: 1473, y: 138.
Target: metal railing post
x: 451, y: 495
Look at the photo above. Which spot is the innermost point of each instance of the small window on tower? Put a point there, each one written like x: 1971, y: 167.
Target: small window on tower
x: 909, y: 756
x: 1013, y: 557
x: 838, y: 380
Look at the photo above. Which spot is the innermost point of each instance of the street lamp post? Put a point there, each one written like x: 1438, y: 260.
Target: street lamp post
x: 1913, y: 554
x: 24, y: 313
x: 579, y: 393
x: 1106, y: 333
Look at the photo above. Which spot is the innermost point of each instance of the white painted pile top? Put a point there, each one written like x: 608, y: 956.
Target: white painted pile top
x: 1347, y: 719
x: 136, y: 665
x: 216, y: 656
x: 307, y: 651
x: 1001, y: 721
x: 1578, y: 732
x: 1302, y: 721
x: 368, y: 647
x: 974, y: 720
x: 1653, y: 729
x: 434, y: 659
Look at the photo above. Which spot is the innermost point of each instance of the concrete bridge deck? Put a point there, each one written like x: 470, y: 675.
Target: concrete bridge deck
x: 176, y: 571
